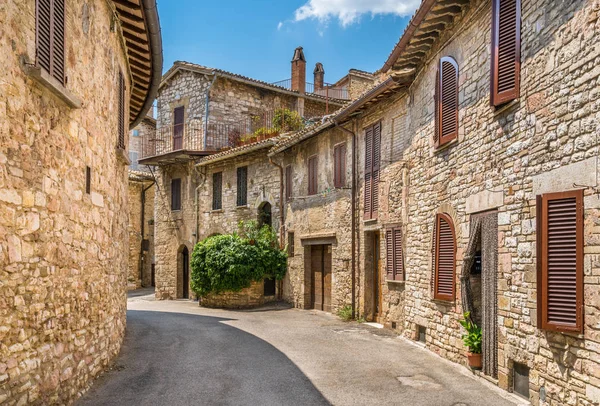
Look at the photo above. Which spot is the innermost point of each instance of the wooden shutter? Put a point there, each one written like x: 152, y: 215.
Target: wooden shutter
x: 447, y: 101
x: 242, y: 186
x: 312, y: 175
x: 178, y: 127
x: 288, y: 182
x: 372, y: 166
x: 506, y: 51
x: 50, y: 37
x: 560, y: 290
x: 445, y: 259
x: 121, y: 141
x: 217, y: 190
x: 175, y: 194
x: 394, y: 255
x: 339, y: 164
x: 290, y: 244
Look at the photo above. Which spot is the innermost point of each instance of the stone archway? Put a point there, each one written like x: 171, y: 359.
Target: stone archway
x: 265, y: 216
x: 183, y: 272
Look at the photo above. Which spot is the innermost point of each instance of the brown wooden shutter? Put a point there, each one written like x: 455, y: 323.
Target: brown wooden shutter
x: 178, y: 127
x: 312, y: 175
x: 447, y: 102
x: 506, y: 51
x: 561, y: 239
x: 389, y: 260
x: 394, y: 255
x: 376, y: 167
x: 339, y: 163
x: 433, y: 255
x: 50, y: 37
x: 242, y: 186
x: 175, y: 194
x: 121, y: 106
x: 445, y: 259
x: 368, y: 208
x: 217, y: 191
x: 288, y: 182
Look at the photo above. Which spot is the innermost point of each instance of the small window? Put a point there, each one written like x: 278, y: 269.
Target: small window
x: 422, y: 334
x: 217, y: 202
x: 242, y: 186
x: 394, y: 255
x: 290, y: 248
x: 506, y: 51
x: 50, y: 37
x: 288, y: 182
x: 135, y: 133
x: 269, y: 287
x: 444, y: 258
x: 521, y: 380
x: 339, y: 165
x: 121, y: 140
x: 88, y: 180
x: 312, y: 175
x: 560, y: 261
x: 446, y: 102
x: 372, y: 158
x: 175, y: 194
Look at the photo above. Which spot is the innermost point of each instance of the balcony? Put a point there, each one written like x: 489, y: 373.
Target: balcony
x: 193, y: 139
x: 328, y: 91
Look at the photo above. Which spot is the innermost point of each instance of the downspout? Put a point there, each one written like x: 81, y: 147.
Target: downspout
x: 353, y: 200
x: 206, y: 110
x: 281, y: 216
x: 142, y: 227
x: 196, y: 203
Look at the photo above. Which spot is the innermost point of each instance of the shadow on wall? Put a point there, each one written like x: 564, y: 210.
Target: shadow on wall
x: 177, y: 359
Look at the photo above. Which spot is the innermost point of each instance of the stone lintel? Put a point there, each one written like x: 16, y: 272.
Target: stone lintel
x: 484, y: 200
x: 569, y: 177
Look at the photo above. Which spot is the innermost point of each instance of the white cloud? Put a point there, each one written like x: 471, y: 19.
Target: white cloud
x: 349, y: 11
x: 279, y: 26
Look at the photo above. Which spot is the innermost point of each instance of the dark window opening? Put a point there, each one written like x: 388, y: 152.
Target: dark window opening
x: 217, y: 202
x: 290, y: 244
x: 175, y: 194
x: 521, y: 380
x: 422, y: 331
x: 88, y: 180
x: 288, y: 182
x: 269, y: 288
x: 242, y: 186
x: 264, y: 215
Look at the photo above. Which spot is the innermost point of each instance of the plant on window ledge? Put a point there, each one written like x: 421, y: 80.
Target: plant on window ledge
x: 472, y: 339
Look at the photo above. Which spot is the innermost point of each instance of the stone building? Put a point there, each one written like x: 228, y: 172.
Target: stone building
x: 143, y: 131
x: 202, y: 111
x: 63, y: 186
x: 476, y: 189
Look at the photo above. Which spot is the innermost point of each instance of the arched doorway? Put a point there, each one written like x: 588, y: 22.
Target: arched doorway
x: 183, y: 274
x: 264, y: 214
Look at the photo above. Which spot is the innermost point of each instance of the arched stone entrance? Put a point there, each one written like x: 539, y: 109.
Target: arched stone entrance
x: 264, y: 214
x: 183, y: 273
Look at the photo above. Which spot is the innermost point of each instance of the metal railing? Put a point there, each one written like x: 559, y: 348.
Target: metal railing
x: 327, y: 90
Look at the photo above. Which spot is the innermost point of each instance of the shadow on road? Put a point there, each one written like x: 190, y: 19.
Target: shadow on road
x: 183, y: 359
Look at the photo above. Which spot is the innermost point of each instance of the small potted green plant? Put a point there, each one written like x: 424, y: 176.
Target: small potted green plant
x: 472, y: 339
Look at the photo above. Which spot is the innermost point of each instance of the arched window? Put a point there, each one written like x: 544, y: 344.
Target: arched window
x: 444, y: 258
x: 446, y: 102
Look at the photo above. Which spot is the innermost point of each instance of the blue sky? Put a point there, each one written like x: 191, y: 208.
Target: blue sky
x: 257, y: 38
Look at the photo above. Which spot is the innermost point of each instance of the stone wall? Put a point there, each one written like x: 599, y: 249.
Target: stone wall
x: 63, y: 252
x: 186, y: 89
x: 140, y: 261
x: 321, y: 217
x: 146, y: 130
x: 503, y: 158
x: 246, y: 298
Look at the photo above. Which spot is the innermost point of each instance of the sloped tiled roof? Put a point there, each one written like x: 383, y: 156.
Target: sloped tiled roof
x: 241, y: 150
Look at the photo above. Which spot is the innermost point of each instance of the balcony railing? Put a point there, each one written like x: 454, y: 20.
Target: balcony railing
x: 195, y: 136
x: 328, y: 90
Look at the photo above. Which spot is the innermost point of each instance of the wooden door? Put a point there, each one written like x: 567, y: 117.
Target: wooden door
x: 320, y: 263
x: 377, y: 295
x: 178, y: 127
x: 186, y: 274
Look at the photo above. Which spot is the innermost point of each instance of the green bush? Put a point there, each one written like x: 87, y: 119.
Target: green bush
x: 231, y: 262
x: 345, y: 313
x: 286, y: 120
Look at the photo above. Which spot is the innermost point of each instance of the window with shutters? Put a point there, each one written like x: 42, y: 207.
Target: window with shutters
x: 178, y: 127
x: 242, y: 186
x: 372, y: 158
x: 288, y: 182
x: 50, y: 37
x: 394, y: 255
x: 560, y: 261
x: 444, y: 258
x: 121, y: 140
x: 217, y: 201
x: 312, y: 175
x: 446, y: 102
x: 339, y: 165
x: 506, y: 51
x: 175, y: 194
x: 290, y: 244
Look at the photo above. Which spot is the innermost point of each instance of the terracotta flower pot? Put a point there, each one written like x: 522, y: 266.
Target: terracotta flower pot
x: 474, y: 360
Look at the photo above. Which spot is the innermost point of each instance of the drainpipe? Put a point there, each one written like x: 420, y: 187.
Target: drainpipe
x: 196, y: 203
x: 281, y: 216
x: 353, y: 200
x: 206, y: 108
x: 142, y: 227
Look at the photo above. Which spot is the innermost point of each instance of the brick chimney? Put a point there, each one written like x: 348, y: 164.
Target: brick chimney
x: 319, y: 73
x: 299, y: 71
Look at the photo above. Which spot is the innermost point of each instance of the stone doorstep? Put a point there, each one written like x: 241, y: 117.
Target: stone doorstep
x: 476, y: 375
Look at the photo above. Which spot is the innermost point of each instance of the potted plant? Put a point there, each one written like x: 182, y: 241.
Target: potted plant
x: 472, y: 339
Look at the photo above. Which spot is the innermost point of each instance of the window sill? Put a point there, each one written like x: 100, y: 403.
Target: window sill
x: 395, y: 282
x: 444, y: 302
x: 505, y: 107
x: 217, y: 211
x: 242, y: 207
x: 447, y: 145
x: 370, y: 221
x: 53, y: 85
x: 122, y: 156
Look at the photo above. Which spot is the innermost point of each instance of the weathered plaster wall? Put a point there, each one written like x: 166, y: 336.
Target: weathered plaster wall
x: 63, y: 252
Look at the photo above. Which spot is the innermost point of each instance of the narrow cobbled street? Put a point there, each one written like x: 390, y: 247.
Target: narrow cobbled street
x: 176, y: 353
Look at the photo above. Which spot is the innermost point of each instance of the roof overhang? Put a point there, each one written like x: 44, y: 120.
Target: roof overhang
x: 232, y: 153
x: 141, y: 32
x: 173, y: 157
x: 432, y: 18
